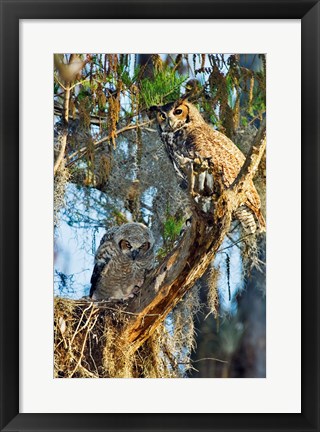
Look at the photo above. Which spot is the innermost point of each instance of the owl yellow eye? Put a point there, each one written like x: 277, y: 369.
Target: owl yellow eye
x: 178, y: 111
x: 163, y: 116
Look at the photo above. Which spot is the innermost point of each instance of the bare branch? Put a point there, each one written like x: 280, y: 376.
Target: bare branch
x: 205, y: 358
x: 63, y: 142
x: 82, y: 152
x: 94, y: 119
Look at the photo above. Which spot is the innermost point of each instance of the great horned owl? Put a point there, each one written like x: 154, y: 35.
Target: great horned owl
x: 121, y: 261
x: 204, y: 159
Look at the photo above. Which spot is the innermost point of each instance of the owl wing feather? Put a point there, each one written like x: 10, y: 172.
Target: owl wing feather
x: 96, y: 274
x: 102, y: 258
x: 228, y: 159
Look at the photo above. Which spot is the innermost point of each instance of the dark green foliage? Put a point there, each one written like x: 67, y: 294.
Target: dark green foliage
x: 171, y: 230
x: 164, y: 87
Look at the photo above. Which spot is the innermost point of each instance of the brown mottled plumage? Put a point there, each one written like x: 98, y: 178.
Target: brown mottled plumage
x: 205, y: 159
x: 121, y: 262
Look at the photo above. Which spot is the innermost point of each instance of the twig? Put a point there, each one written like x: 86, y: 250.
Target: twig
x: 82, y: 152
x: 77, y: 329
x: 101, y: 305
x: 252, y: 160
x: 65, y: 132
x: 60, y: 84
x: 125, y: 312
x: 79, y: 83
x: 235, y: 243
x: 80, y: 366
x: 84, y: 344
x: 205, y: 358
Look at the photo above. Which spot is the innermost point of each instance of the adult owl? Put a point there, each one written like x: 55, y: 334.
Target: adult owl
x: 205, y: 160
x: 124, y: 256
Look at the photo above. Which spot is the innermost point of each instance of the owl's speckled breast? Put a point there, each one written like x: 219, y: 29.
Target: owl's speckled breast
x: 195, y: 170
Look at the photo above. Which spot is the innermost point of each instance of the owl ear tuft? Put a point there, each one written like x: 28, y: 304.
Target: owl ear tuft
x: 183, y: 98
x: 151, y: 112
x: 154, y: 108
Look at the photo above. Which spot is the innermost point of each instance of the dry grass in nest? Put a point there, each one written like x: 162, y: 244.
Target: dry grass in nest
x: 89, y: 342
x: 83, y: 330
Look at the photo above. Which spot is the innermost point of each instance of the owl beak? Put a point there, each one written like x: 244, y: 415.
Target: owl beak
x: 134, y: 254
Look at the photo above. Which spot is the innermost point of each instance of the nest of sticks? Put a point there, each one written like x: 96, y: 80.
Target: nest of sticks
x: 89, y: 342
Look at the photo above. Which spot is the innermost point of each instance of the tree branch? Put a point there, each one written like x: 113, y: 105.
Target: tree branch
x: 64, y: 136
x: 77, y: 155
x: 94, y: 119
x: 168, y: 283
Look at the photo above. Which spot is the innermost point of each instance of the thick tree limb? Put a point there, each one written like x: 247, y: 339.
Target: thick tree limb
x: 167, y: 284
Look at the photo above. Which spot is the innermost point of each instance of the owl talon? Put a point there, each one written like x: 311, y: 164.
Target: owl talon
x: 133, y: 293
x: 114, y: 300
x: 135, y: 290
x: 189, y: 221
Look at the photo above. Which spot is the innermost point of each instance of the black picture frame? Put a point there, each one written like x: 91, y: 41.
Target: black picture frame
x: 11, y: 12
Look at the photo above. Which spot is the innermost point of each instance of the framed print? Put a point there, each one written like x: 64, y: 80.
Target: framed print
x: 136, y: 193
